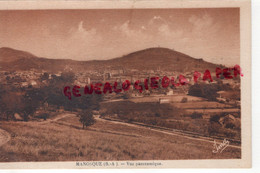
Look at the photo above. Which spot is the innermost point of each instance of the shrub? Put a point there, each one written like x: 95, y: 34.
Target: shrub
x: 215, y: 118
x: 208, y: 91
x: 184, y: 100
x: 195, y: 115
x: 157, y: 114
x: 214, y: 128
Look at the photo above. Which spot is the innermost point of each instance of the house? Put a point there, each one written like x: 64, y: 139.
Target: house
x: 164, y: 100
x: 17, y: 117
x: 169, y: 93
x: 206, y: 116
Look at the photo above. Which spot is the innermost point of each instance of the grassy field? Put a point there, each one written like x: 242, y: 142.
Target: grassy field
x: 171, y: 98
x: 201, y: 105
x: 213, y: 111
x: 206, y: 107
x: 65, y: 140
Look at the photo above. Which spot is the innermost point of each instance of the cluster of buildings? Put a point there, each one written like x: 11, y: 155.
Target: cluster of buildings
x: 23, y: 79
x: 20, y: 79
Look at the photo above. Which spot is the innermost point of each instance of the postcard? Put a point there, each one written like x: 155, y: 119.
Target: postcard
x: 125, y: 84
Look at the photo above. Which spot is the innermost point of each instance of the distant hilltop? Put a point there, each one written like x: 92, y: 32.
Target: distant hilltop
x: 163, y: 59
x: 8, y: 54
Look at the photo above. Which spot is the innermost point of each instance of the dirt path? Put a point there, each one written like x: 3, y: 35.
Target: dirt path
x: 167, y: 132
x: 62, y: 116
x: 4, y: 137
x: 58, y: 117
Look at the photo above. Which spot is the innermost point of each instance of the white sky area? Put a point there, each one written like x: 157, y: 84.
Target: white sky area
x: 211, y: 34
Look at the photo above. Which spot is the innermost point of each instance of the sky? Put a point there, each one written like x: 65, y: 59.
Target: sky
x: 97, y: 34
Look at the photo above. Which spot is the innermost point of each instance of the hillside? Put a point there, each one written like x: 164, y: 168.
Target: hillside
x: 148, y: 59
x: 10, y: 55
x: 160, y: 58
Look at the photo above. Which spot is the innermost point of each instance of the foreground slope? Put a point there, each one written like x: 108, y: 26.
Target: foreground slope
x: 65, y: 140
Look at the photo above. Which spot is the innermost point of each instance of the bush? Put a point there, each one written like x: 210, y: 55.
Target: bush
x: 184, y: 100
x: 214, y: 128
x: 126, y: 95
x: 157, y: 114
x: 215, y: 118
x: 208, y: 91
x: 195, y: 115
x: 230, y: 125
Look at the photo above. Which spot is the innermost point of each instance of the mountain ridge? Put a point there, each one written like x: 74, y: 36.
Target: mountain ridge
x: 147, y: 59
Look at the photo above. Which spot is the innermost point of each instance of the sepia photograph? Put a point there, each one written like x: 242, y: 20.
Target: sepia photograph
x: 123, y: 87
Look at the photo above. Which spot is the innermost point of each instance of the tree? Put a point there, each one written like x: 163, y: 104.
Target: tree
x: 86, y: 118
x: 126, y: 95
x: 16, y: 101
x: 208, y: 91
x: 32, y: 100
x: 45, y: 76
x: 68, y: 77
x: 184, y: 100
x: 52, y: 93
x: 11, y: 103
x: 86, y: 104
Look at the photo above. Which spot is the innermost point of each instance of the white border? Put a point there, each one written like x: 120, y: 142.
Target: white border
x: 177, y: 4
